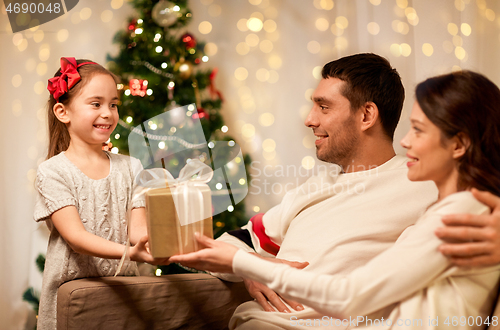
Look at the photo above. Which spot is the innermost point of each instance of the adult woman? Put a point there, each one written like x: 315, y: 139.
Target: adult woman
x: 454, y: 141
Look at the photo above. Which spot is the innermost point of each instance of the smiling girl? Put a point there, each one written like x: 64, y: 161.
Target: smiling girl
x: 84, y: 193
x: 454, y: 141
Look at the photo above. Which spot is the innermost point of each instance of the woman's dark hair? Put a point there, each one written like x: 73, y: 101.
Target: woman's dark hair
x: 467, y: 104
x: 58, y: 132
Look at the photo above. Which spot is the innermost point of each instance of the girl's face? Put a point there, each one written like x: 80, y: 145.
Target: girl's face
x: 431, y: 155
x: 93, y: 113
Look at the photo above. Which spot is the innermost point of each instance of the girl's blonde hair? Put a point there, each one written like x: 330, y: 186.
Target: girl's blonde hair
x: 58, y: 132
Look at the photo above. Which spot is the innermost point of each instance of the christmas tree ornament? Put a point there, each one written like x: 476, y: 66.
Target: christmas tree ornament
x: 176, y: 114
x: 132, y: 25
x: 188, y: 40
x: 214, y: 92
x: 138, y: 87
x: 185, y: 68
x: 107, y: 146
x: 165, y: 13
x: 200, y: 114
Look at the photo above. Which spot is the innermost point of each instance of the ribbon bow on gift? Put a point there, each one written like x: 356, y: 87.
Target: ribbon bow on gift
x: 187, y: 195
x: 188, y: 199
x: 159, y: 177
x: 60, y: 85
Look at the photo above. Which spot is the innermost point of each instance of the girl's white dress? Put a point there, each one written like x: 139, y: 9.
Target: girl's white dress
x: 102, y: 205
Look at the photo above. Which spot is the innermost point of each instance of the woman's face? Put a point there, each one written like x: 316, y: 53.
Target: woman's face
x: 430, y: 153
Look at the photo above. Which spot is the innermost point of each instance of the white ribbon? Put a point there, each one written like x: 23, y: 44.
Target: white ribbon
x: 187, y: 186
x: 192, y: 177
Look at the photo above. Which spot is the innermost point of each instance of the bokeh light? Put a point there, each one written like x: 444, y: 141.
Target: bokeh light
x: 17, y: 80
x: 242, y: 48
x: 466, y: 29
x: 242, y: 25
x: 254, y: 24
x: 373, y: 28
x: 274, y: 61
x: 316, y: 72
x: 106, y: 16
x: 241, y: 73
x: 313, y: 47
x: 269, y: 145
x: 266, y: 46
x: 266, y: 119
x: 210, y: 49
x: 322, y: 24
x: 427, y: 49
x: 270, y: 26
x: 62, y: 35
x: 308, y: 162
x: 252, y: 39
x: 116, y: 4
x: 205, y: 27
x: 85, y: 13
x: 214, y: 10
x: 452, y: 29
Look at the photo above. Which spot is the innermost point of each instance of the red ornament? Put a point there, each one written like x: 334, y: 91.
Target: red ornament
x: 132, y: 25
x: 188, y: 40
x: 138, y: 87
x: 214, y: 92
x: 107, y: 146
x: 197, y: 61
x: 200, y: 114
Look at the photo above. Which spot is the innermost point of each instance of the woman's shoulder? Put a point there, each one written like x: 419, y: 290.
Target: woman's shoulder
x: 460, y: 202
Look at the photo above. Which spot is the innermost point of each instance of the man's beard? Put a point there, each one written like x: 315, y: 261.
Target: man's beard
x: 342, y: 145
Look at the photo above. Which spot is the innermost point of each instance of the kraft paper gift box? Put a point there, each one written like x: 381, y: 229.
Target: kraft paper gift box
x: 168, y: 232
x: 176, y: 212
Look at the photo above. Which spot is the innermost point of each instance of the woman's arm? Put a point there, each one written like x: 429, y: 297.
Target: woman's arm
x: 473, y: 240
x: 410, y: 265
x: 67, y: 222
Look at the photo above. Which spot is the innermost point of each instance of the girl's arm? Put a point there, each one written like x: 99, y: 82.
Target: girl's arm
x: 138, y: 226
x: 67, y: 222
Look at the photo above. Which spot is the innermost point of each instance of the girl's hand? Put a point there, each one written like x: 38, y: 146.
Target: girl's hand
x: 140, y: 253
x: 215, y: 257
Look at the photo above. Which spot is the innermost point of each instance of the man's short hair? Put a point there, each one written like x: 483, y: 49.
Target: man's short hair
x: 370, y: 78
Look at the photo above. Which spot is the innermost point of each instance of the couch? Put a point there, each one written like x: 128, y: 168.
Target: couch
x: 183, y: 301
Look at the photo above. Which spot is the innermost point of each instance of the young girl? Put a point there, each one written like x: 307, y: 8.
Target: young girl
x: 454, y: 141
x: 85, y: 192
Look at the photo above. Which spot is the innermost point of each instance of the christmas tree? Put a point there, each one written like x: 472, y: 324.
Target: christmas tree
x: 161, y: 67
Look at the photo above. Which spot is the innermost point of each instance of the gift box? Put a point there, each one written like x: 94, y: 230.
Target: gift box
x: 176, y: 208
x: 174, y: 214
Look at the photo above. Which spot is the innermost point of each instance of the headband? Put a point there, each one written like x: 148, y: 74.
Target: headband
x: 60, y: 85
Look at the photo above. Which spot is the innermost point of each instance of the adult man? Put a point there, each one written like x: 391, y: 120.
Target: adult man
x: 339, y: 221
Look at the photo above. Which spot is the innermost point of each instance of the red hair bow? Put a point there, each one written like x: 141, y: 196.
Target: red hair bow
x: 60, y: 85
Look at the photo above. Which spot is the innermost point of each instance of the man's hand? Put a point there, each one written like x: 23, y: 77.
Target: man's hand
x: 215, y: 257
x: 267, y: 298
x: 473, y: 240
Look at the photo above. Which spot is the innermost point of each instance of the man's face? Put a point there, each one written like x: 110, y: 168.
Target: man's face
x: 333, y: 123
